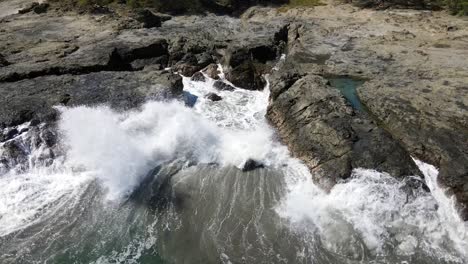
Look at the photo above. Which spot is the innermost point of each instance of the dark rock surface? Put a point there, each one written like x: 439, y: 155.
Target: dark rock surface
x: 320, y: 128
x: 415, y: 89
x: 25, y: 100
x: 214, y: 97
x: 222, y: 86
x: 212, y: 71
x: 149, y: 19
x: 251, y: 165
x: 430, y: 120
x: 198, y: 77
x: 3, y: 61
x: 35, y: 7
x: 414, y: 67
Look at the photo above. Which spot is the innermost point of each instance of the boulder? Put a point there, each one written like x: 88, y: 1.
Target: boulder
x: 149, y: 19
x: 251, y: 165
x: 212, y: 71
x: 246, y: 65
x: 214, y: 97
x: 198, y: 77
x: 222, y: 86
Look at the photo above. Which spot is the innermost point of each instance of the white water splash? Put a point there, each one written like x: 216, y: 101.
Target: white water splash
x: 372, y: 212
x: 375, y: 212
x: 120, y: 148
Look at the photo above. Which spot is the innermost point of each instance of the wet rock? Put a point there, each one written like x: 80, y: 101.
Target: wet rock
x: 29, y: 8
x: 212, y: 71
x: 158, y: 62
x: 149, y: 19
x: 428, y: 124
x: 48, y: 137
x: 34, y: 99
x: 198, y: 77
x: 186, y: 69
x: 3, y: 61
x: 412, y: 4
x: 204, y: 59
x: 222, y: 86
x: 251, y: 165
x: 35, y: 7
x: 214, y: 97
x: 13, y: 154
x: 11, y: 134
x: 246, y: 65
x: 41, y: 8
x: 320, y: 128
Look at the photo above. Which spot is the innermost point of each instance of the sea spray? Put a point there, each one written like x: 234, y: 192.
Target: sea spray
x: 275, y: 214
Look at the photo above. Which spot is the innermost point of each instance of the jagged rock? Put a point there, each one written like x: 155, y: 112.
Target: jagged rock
x: 198, y: 77
x: 427, y: 117
x: 222, y: 86
x: 3, y: 61
x: 214, y: 97
x: 10, y: 134
x: 251, y: 165
x: 323, y: 130
x: 149, y: 19
x: 37, y: 8
x: 99, y: 10
x: 159, y: 62
x: 246, y: 65
x: 13, y: 154
x: 30, y: 99
x: 41, y: 8
x: 49, y: 137
x: 212, y: 71
x: 186, y: 69
x: 413, y: 4
x: 28, y: 9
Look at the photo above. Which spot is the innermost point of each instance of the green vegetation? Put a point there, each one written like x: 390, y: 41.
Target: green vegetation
x: 458, y: 7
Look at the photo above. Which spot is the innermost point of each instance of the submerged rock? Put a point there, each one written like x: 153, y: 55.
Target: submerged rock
x: 251, y: 165
x: 222, y: 86
x: 198, y: 77
x: 214, y: 97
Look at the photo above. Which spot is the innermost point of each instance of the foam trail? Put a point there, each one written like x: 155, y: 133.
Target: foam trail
x: 373, y: 210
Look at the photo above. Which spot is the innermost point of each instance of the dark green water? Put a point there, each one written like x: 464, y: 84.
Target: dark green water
x: 347, y: 87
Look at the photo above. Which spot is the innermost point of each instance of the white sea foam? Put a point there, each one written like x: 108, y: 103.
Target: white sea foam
x: 119, y: 148
x: 375, y: 212
x: 371, y: 212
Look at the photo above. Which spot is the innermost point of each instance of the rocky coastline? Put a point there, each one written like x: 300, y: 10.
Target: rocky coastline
x: 412, y: 64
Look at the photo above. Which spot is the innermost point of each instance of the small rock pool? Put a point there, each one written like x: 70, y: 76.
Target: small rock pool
x: 347, y: 87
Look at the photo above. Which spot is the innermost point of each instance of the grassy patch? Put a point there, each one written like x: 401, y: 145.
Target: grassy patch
x: 458, y: 7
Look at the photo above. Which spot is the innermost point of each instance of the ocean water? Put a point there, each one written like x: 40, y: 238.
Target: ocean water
x: 164, y: 184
